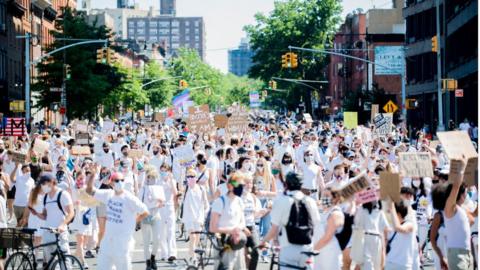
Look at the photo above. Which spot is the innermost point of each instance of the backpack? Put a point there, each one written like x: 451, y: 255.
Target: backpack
x: 58, y: 204
x: 209, y: 214
x: 389, y: 242
x: 299, y: 227
x: 343, y: 237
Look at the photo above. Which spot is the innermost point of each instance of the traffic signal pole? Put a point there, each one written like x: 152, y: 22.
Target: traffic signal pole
x: 441, y: 126
x: 404, y: 109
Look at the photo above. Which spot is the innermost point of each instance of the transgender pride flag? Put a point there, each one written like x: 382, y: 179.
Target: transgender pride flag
x: 179, y: 99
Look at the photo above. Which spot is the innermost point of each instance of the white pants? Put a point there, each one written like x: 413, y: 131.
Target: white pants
x: 151, y: 233
x: 50, y: 237
x: 231, y: 260
x: 115, y: 252
x: 372, y: 252
x: 292, y: 255
x: 168, y: 244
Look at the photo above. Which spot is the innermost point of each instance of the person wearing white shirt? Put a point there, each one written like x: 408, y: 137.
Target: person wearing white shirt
x: 58, y: 151
x: 158, y: 158
x: 23, y: 183
x: 313, y: 182
x: 291, y: 253
x: 105, y: 158
x: 465, y: 126
x: 124, y: 210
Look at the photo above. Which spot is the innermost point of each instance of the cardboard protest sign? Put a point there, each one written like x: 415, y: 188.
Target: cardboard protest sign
x: 40, y: 146
x: 238, y: 121
x: 367, y: 196
x: 80, y: 126
x: 135, y: 153
x: 417, y: 164
x: 78, y: 150
x: 383, y: 123
x: 158, y: 117
x: 390, y: 185
x: 185, y: 155
x: 373, y: 112
x: 82, y: 138
x: 471, y: 171
x: 350, y: 119
x: 307, y: 117
x: 356, y: 184
x: 108, y: 127
x: 199, y: 119
x: 18, y: 157
x: 220, y: 120
x: 434, y: 144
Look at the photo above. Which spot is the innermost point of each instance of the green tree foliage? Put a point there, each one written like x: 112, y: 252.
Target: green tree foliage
x: 159, y: 93
x: 90, y: 82
x: 301, y: 23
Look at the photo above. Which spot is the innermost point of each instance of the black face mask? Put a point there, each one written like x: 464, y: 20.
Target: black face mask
x: 286, y: 161
x: 125, y: 153
x: 106, y: 150
x: 155, y: 153
x: 238, y: 190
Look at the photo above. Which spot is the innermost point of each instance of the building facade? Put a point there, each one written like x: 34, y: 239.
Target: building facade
x: 458, y: 22
x: 168, y: 7
x: 171, y: 33
x: 240, y: 59
x: 17, y: 18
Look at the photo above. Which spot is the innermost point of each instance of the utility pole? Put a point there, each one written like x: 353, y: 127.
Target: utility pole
x: 27, y: 78
x: 441, y: 126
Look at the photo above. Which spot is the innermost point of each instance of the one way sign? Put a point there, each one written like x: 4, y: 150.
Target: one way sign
x: 390, y: 107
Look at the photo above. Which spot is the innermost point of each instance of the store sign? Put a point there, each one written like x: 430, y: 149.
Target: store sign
x: 389, y: 60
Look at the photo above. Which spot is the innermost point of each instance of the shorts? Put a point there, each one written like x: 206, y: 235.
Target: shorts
x: 193, y: 226
x: 11, y: 193
x: 102, y: 211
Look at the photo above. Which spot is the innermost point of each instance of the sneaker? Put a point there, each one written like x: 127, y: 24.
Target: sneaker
x: 89, y: 255
x: 171, y: 259
x: 85, y: 266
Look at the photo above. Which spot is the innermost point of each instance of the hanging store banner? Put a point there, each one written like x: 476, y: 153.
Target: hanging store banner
x: 389, y: 60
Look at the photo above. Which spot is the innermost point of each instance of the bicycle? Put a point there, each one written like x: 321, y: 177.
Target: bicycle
x: 204, y: 248
x: 26, y: 260
x: 307, y: 264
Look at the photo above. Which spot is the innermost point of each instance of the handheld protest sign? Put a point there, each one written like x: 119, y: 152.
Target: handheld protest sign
x: 199, y: 119
x: 350, y: 119
x: 135, y: 153
x: 238, y: 121
x: 78, y: 150
x: 158, y: 117
x: 390, y: 185
x: 220, y: 120
x: 40, y: 146
x: 81, y: 126
x: 418, y: 164
x: 383, y: 123
x: 356, y: 184
x: 82, y: 138
x: 18, y: 157
x: 366, y: 196
x: 374, y: 112
x: 108, y: 126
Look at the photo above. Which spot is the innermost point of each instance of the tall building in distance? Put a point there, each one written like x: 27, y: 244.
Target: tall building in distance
x: 122, y: 3
x: 240, y: 59
x: 168, y: 7
x: 169, y: 32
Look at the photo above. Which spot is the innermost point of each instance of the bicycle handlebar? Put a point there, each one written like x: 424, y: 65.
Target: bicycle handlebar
x: 50, y: 229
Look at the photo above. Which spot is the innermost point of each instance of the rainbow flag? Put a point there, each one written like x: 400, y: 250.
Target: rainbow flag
x: 179, y: 99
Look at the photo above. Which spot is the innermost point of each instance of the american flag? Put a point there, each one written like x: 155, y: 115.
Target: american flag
x: 13, y: 126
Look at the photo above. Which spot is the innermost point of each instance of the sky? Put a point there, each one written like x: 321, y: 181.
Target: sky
x: 224, y: 19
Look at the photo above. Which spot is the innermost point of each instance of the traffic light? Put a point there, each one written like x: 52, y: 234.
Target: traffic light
x: 183, y: 84
x: 294, y: 60
x: 101, y: 55
x: 411, y: 104
x: 449, y: 84
x: 68, y: 72
x: 111, y: 58
x: 434, y: 44
x: 287, y: 60
x: 272, y: 84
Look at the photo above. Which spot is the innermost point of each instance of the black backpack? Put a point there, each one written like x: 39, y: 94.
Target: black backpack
x: 58, y: 204
x: 299, y: 226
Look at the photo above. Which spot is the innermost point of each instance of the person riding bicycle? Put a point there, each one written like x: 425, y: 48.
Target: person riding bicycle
x: 228, y: 219
x: 294, y: 216
x: 57, y: 212
x: 124, y: 210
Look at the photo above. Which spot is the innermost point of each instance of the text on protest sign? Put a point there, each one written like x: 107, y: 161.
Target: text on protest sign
x: 418, y: 164
x: 356, y: 184
x: 18, y: 157
x: 383, y: 123
x: 199, y: 119
x: 82, y: 138
x: 185, y: 155
x: 390, y: 185
x: 367, y: 196
x: 78, y: 150
x: 40, y: 146
x: 220, y: 120
x: 238, y: 121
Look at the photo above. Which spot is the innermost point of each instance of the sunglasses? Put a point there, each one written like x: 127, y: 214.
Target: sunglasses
x: 260, y: 165
x: 119, y: 180
x: 190, y: 176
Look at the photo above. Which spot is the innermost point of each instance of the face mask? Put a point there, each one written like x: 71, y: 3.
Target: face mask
x: 28, y: 174
x: 150, y: 182
x: 416, y: 183
x: 34, y: 160
x: 118, y: 186
x: 275, y: 171
x: 163, y: 174
x: 326, y: 201
x: 247, y: 166
x: 308, y: 158
x: 103, y: 175
x: 125, y: 154
x: 155, y: 152
x: 191, y: 182
x: 286, y: 161
x: 46, y: 189
x: 238, y: 190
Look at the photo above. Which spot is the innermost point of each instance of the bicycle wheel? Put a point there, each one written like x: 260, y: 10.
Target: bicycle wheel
x: 191, y: 267
x: 18, y: 261
x: 71, y: 263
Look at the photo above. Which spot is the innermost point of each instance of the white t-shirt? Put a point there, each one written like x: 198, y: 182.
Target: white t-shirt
x: 105, y: 159
x: 55, y: 216
x: 281, y: 211
x: 23, y: 185
x: 310, y: 173
x: 231, y: 212
x: 122, y: 211
x: 252, y: 205
x: 402, y: 248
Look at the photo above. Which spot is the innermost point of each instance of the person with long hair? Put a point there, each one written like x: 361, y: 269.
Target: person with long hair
x: 35, y: 201
x: 331, y: 222
x: 438, y: 236
x: 168, y: 245
x: 205, y: 174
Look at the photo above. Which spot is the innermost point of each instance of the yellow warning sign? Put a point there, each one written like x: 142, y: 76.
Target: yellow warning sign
x: 390, y: 107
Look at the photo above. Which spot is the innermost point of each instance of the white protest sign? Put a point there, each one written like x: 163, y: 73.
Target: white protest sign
x: 78, y: 150
x: 40, y: 146
x: 238, y: 121
x: 383, y: 123
x: 416, y: 164
x: 108, y: 126
x: 185, y: 155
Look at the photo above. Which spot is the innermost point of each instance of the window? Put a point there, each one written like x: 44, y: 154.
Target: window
x: 187, y: 23
x: 197, y: 45
x: 140, y: 24
x: 175, y: 45
x: 187, y: 38
x: 140, y: 31
x: 153, y: 31
x: 131, y: 23
x: 175, y: 23
x: 175, y: 32
x: 164, y: 31
x: 197, y: 38
x: 164, y: 24
x: 153, y: 24
x: 175, y: 39
x: 197, y: 23
x: 131, y: 32
x: 154, y: 39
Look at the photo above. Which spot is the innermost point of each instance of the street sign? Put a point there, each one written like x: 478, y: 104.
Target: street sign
x: 63, y: 110
x: 55, y: 89
x: 459, y: 93
x: 17, y: 105
x: 390, y: 107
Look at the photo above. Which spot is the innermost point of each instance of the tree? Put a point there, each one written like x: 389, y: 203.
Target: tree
x: 301, y: 23
x: 90, y: 82
x: 159, y: 93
